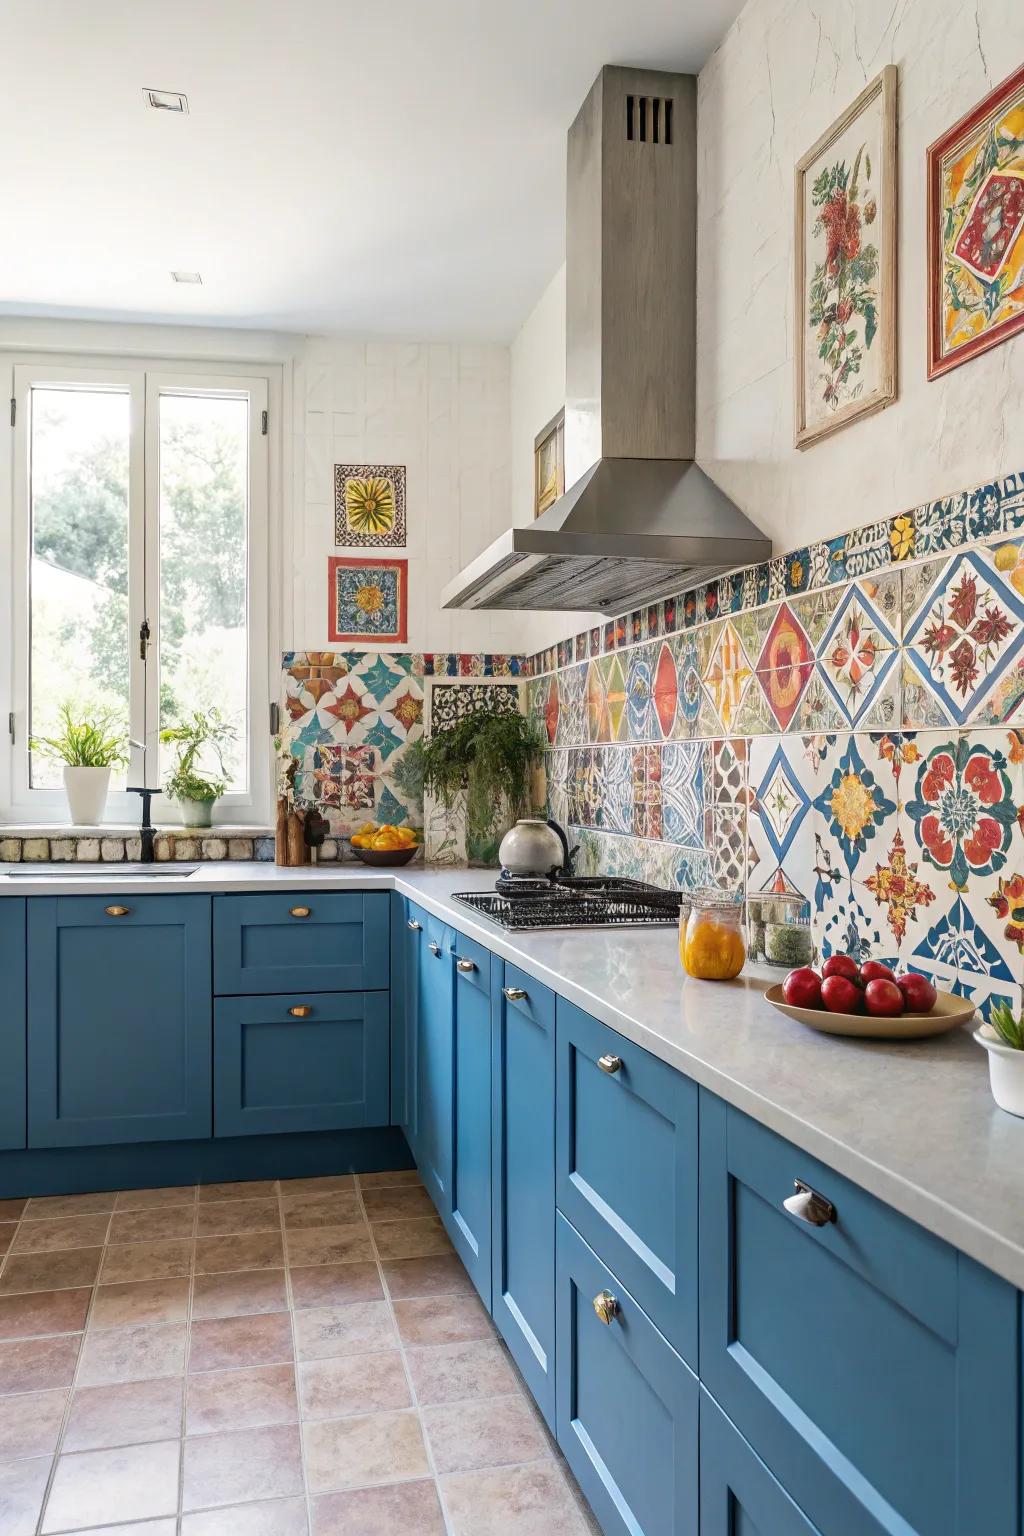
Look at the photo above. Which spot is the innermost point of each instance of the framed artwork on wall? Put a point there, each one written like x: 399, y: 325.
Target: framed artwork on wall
x: 549, y: 464
x: 368, y: 600
x: 369, y: 505
x: 976, y: 229
x: 845, y: 204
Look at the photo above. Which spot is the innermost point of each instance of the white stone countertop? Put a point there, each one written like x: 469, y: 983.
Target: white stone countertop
x: 913, y: 1122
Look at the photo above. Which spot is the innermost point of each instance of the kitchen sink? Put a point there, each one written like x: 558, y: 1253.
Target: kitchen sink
x: 104, y: 871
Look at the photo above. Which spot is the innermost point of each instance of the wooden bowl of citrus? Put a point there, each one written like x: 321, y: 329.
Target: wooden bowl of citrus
x: 384, y: 846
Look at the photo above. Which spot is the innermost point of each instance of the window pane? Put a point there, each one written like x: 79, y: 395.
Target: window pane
x: 79, y: 575
x: 204, y: 503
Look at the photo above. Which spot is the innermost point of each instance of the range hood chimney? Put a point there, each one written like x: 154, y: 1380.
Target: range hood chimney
x: 640, y: 519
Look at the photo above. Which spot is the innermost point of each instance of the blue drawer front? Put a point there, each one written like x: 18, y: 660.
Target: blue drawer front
x: 119, y: 1019
x: 433, y: 1053
x: 627, y: 1404
x: 523, y: 1164
x: 627, y: 1168
x: 738, y: 1495
x: 324, y: 1071
x: 321, y: 941
x: 12, y: 1024
x: 866, y: 1361
x: 468, y: 1217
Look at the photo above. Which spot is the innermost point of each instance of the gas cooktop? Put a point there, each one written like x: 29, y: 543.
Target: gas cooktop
x: 575, y: 901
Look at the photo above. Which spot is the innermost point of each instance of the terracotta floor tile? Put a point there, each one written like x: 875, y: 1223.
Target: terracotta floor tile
x: 11, y: 1210
x: 411, y: 1239
x: 258, y: 1250
x: 400, y: 1204
x: 246, y: 1464
x: 64, y: 1232
x: 512, y: 1501
x: 155, y: 1199
x: 442, y: 1320
x: 245, y: 1189
x: 490, y: 1433
x: 147, y: 1261
x: 281, y: 1517
x: 335, y: 1388
x: 389, y: 1180
x: 229, y: 1217
x: 220, y: 1400
x: 327, y: 1184
x: 50, y: 1271
x: 132, y: 1354
x: 134, y: 1482
x: 371, y: 1448
x: 47, y: 1207
x: 400, y: 1509
x: 453, y: 1373
x: 7, y: 1231
x: 442, y: 1275
x: 38, y: 1312
x: 38, y: 1365
x: 127, y: 1413
x: 30, y: 1424
x: 361, y: 1327
x: 22, y: 1488
x: 140, y: 1301
x: 152, y: 1225
x: 331, y: 1210
x: 329, y: 1245
x: 224, y: 1343
x: 331, y: 1284
x: 238, y: 1293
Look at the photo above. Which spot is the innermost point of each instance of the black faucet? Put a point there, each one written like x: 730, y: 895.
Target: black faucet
x: 146, y: 829
x: 568, y: 854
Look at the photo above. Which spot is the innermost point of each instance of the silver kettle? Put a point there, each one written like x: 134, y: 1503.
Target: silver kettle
x: 534, y: 847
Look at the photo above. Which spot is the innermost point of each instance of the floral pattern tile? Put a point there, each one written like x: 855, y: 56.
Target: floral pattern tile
x: 965, y: 634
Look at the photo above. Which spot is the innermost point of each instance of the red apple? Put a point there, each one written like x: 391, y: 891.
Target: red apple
x: 874, y: 970
x: 883, y: 998
x: 919, y: 995
x: 840, y: 965
x: 841, y: 995
x: 802, y: 988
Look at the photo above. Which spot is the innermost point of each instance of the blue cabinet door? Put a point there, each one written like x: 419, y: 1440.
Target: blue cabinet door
x: 12, y: 1024
x: 523, y: 1174
x: 738, y: 1495
x: 320, y: 941
x: 313, y: 1061
x: 627, y: 1167
x: 119, y: 1005
x: 433, y: 1050
x: 871, y: 1367
x: 627, y: 1403
x: 468, y: 1216
x: 407, y: 925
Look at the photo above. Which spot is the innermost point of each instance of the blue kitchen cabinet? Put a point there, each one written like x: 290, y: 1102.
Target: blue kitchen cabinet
x: 432, y: 1044
x: 468, y: 1210
x: 119, y: 1019
x: 303, y: 1062
x: 523, y: 1176
x: 407, y: 926
x: 873, y: 1368
x: 738, y: 1495
x: 12, y: 1025
x: 627, y: 1403
x: 316, y: 941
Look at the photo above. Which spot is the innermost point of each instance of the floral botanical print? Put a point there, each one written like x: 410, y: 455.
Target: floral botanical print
x: 964, y: 810
x: 369, y: 505
x: 843, y: 298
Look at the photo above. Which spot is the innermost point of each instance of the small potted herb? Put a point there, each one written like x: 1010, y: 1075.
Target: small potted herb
x: 489, y: 758
x: 1003, y: 1039
x: 202, y: 734
x: 88, y: 747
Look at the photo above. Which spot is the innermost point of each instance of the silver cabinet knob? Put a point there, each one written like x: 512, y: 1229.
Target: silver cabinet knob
x: 807, y: 1205
x: 610, y: 1064
x: 466, y: 966
x: 606, y: 1306
x: 515, y: 994
x: 414, y: 925
x: 435, y: 949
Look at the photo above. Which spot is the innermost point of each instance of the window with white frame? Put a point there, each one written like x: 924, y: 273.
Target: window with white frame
x: 139, y: 572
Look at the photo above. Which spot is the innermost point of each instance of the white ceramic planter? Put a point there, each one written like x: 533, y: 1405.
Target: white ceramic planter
x: 86, y: 790
x: 1005, y: 1071
x: 196, y: 813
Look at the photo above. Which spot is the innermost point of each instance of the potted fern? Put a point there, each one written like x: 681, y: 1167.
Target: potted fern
x: 88, y: 747
x: 1003, y: 1039
x: 486, y: 759
x: 202, y: 735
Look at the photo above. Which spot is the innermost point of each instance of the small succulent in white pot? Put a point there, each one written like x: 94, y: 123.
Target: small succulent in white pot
x: 88, y: 747
x: 1003, y: 1039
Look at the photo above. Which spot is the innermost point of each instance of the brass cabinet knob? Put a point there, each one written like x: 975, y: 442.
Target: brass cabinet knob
x: 300, y: 1011
x: 435, y: 949
x: 807, y: 1205
x: 117, y: 911
x: 466, y: 966
x: 515, y: 994
x: 414, y: 925
x: 606, y: 1306
x: 610, y: 1064
x: 300, y: 911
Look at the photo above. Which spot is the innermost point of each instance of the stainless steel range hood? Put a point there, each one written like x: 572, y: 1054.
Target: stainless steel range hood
x: 640, y: 519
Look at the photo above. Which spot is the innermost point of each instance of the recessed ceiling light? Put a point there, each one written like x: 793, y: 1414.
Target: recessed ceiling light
x: 187, y: 277
x: 165, y: 101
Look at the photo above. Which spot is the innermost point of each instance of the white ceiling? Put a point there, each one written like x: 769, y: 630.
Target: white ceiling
x: 377, y: 167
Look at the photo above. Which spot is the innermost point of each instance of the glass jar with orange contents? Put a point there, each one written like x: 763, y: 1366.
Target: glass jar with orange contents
x: 711, y: 945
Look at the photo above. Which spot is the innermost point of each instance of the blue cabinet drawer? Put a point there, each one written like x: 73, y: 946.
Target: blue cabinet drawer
x: 301, y: 1062
x: 12, y: 1024
x: 870, y: 1366
x: 627, y: 1167
x: 321, y: 941
x: 738, y: 1495
x: 472, y: 962
x: 627, y: 1404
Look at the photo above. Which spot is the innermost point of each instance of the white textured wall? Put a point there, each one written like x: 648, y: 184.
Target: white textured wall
x: 781, y: 76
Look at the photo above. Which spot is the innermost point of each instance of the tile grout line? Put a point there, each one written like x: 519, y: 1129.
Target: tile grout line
x: 290, y: 1299
x: 183, y: 1421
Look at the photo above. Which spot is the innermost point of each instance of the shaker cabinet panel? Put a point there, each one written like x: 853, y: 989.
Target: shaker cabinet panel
x: 468, y: 1214
x: 12, y: 1024
x: 321, y: 941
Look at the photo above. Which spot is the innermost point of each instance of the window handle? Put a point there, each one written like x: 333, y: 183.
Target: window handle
x: 144, y: 635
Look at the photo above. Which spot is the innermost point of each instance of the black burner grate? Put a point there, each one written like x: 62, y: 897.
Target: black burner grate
x: 586, y: 903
